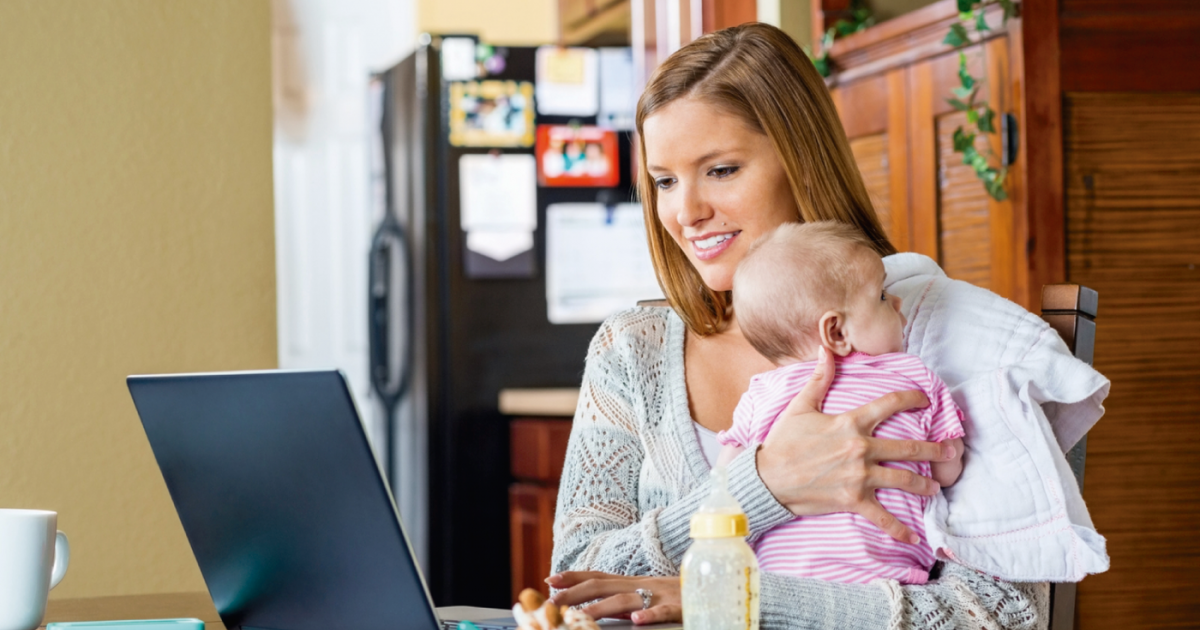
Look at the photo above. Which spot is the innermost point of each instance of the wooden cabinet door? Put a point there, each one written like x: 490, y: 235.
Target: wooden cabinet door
x: 874, y: 113
x: 953, y: 220
x: 539, y: 446
x: 901, y: 128
x: 531, y: 527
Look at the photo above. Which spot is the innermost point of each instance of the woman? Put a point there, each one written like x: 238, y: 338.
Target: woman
x: 738, y: 135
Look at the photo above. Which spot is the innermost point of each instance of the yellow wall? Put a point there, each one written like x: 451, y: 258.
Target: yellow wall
x: 512, y: 22
x: 795, y: 18
x: 136, y: 236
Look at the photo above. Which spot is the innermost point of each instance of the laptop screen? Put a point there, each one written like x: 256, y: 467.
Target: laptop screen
x: 286, y: 510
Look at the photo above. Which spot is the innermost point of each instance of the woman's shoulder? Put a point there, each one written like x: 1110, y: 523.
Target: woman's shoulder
x: 640, y: 330
x: 639, y: 352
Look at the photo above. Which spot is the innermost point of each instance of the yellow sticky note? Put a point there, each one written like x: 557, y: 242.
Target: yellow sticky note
x: 564, y: 66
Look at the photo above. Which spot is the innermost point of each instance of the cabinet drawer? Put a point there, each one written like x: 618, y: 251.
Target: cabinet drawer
x: 538, y: 448
x: 531, y: 527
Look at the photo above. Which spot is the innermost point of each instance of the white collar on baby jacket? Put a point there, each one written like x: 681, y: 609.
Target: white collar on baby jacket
x: 908, y: 265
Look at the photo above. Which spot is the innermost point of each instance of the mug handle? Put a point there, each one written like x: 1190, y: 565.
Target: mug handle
x: 62, y: 557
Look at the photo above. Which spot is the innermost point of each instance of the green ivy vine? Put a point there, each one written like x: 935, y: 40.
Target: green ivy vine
x: 981, y: 119
x: 860, y: 19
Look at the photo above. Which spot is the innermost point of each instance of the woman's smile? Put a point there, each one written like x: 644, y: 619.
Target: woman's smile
x: 709, y: 246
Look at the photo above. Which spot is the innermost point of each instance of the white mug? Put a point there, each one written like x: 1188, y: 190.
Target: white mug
x: 33, y: 559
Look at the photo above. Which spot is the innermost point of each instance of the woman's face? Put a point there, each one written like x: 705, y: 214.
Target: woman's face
x: 720, y: 185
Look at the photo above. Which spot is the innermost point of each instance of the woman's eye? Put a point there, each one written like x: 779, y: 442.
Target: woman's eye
x: 721, y: 172
x: 663, y: 183
x: 883, y: 296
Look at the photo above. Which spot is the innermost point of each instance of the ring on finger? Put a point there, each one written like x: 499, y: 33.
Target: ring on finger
x: 645, y: 595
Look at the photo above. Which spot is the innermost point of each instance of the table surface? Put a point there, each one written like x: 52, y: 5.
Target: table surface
x: 123, y: 607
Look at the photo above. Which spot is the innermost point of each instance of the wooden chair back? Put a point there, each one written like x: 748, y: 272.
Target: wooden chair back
x: 1070, y: 309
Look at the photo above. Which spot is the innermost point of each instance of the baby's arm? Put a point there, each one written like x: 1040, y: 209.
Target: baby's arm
x: 728, y: 452
x: 945, y: 473
x: 737, y: 437
x: 946, y: 427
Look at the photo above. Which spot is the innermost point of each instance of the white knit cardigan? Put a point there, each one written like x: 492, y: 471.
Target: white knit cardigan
x: 635, y: 474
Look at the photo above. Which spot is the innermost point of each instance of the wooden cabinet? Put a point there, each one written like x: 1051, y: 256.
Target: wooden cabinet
x: 891, y: 88
x: 538, y: 449
x: 1103, y: 194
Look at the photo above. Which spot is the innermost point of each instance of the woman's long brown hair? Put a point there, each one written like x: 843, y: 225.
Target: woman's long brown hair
x: 756, y: 72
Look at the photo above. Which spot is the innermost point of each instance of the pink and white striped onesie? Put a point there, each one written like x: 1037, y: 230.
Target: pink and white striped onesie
x: 845, y: 547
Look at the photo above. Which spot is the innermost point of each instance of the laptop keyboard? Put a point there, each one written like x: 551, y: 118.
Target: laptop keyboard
x: 482, y: 625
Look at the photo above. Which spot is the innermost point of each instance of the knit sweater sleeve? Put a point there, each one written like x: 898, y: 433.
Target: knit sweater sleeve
x: 959, y: 598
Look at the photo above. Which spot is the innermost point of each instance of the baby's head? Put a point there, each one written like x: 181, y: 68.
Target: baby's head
x: 807, y: 285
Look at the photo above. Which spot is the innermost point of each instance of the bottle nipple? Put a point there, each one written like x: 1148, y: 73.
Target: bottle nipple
x: 719, y: 515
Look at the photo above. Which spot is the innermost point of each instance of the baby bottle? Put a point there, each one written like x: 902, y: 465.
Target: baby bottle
x: 719, y: 572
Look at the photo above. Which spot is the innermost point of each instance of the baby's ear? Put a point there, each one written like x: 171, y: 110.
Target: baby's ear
x: 833, y: 333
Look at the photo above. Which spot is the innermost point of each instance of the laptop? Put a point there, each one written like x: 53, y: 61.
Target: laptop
x: 288, y: 514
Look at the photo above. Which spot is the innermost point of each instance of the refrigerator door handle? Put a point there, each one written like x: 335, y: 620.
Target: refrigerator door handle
x: 390, y: 320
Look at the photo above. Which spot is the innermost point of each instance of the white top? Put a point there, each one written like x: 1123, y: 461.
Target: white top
x: 709, y: 446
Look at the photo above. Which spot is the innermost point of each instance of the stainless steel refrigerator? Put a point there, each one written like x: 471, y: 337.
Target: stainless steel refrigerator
x: 443, y: 344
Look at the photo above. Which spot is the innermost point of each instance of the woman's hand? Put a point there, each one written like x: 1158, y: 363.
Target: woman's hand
x: 617, y: 596
x: 819, y: 464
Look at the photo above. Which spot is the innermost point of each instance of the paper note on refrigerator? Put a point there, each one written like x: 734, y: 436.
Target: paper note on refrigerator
x: 597, y: 261
x: 498, y: 199
x: 567, y: 81
x: 458, y: 59
x: 617, y: 97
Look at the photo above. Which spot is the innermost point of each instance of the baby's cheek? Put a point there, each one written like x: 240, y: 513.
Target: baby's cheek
x: 899, y: 341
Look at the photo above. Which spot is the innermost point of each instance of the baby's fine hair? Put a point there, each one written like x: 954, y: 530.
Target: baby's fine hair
x: 791, y: 277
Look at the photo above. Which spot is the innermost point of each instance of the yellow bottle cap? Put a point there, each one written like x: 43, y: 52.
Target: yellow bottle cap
x: 718, y: 525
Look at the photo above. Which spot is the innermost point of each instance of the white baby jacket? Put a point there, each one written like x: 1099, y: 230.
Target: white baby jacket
x: 1016, y: 512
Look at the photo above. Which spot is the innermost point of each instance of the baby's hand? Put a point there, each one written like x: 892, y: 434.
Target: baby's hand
x: 947, y: 472
x: 728, y: 453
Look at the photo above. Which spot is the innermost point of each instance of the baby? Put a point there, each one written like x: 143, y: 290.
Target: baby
x: 820, y: 285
